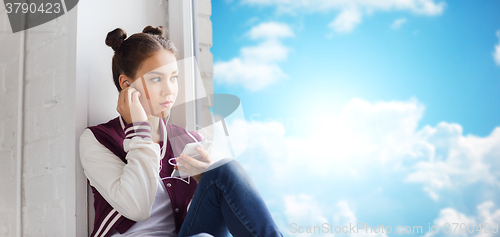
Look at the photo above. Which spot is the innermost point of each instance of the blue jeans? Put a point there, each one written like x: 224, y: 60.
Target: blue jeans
x: 226, y: 200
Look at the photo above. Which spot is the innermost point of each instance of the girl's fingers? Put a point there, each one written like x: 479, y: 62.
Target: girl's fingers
x: 204, y: 154
x: 191, y: 164
x: 135, y: 96
x: 187, y: 171
x: 182, y: 161
x: 129, y: 95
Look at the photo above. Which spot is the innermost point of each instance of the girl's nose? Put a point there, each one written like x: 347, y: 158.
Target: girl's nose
x: 166, y: 89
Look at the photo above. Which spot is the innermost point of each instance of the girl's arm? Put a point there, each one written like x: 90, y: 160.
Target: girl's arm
x: 129, y: 188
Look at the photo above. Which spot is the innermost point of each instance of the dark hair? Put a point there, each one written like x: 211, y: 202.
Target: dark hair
x: 132, y: 51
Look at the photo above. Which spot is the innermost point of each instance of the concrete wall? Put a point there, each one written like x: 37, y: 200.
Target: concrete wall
x: 37, y: 128
x: 11, y: 62
x: 55, y: 80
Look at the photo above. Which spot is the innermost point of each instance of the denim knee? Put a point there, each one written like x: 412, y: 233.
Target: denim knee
x: 232, y: 173
x: 231, y: 168
x: 228, y: 170
x: 202, y: 235
x: 219, y: 163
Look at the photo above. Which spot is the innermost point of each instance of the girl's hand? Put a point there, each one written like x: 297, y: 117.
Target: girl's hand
x: 130, y: 107
x: 192, y: 166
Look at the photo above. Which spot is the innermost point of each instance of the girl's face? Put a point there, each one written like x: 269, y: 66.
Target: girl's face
x: 157, y: 82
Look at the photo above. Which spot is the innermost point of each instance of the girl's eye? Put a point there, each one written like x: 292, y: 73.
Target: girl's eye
x: 174, y: 78
x: 155, y: 79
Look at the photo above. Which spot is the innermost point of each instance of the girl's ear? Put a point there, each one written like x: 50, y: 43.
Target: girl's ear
x: 124, y: 83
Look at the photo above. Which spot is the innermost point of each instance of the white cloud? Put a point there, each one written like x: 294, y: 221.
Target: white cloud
x: 454, y: 160
x: 257, y: 66
x: 346, y: 21
x: 496, y: 53
x: 344, y: 214
x: 351, y: 11
x: 252, y: 75
x: 303, y: 208
x: 449, y: 216
x: 271, y: 30
x: 362, y: 137
x: 306, y: 216
x: 362, y: 143
x: 398, y: 23
x: 368, y: 137
x: 486, y: 213
x: 424, y: 7
x: 269, y: 51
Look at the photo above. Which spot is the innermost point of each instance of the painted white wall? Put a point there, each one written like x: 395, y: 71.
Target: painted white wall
x: 11, y: 80
x: 37, y: 128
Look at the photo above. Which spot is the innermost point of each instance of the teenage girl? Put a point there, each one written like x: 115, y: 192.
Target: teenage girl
x: 126, y: 160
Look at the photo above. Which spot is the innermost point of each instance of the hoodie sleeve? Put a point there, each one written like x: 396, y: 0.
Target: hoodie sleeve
x: 129, y: 188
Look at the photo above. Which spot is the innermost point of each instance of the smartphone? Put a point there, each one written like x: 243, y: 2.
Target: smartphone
x: 189, y: 149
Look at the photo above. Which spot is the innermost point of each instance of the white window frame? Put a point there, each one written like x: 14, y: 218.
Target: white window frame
x: 181, y: 33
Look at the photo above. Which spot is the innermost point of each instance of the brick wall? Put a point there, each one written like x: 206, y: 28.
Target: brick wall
x: 205, y: 41
x: 10, y: 62
x: 205, y: 61
x: 37, y: 123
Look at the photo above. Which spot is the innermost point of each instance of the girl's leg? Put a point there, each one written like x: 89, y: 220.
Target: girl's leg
x: 226, y: 199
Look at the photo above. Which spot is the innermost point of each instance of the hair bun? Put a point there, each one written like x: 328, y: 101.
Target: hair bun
x: 160, y: 30
x: 115, y: 38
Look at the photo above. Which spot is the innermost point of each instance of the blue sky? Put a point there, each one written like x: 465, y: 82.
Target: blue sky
x: 400, y: 99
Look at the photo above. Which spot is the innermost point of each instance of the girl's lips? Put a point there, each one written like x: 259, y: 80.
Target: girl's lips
x: 167, y: 104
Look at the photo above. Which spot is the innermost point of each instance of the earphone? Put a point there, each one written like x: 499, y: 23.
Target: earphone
x: 128, y: 83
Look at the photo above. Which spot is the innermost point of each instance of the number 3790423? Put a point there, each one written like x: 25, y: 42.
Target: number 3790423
x: 462, y: 228
x: 33, y: 8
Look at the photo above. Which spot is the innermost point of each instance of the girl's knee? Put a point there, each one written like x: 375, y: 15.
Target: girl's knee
x: 233, y: 170
x: 231, y: 165
x: 228, y: 169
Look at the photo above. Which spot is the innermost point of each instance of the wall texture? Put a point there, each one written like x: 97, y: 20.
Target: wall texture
x: 10, y: 120
x: 37, y: 128
x: 205, y: 43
